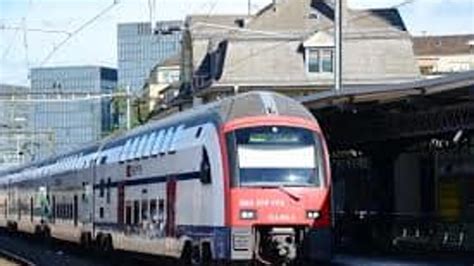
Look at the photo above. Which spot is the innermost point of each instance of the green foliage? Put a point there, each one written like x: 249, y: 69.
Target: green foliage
x: 139, y: 111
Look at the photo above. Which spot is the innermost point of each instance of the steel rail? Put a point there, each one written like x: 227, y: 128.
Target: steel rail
x: 15, y: 258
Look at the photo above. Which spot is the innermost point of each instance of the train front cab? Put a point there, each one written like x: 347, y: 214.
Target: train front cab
x: 278, y: 203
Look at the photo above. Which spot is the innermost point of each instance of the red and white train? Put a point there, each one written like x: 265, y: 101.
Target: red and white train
x: 245, y: 178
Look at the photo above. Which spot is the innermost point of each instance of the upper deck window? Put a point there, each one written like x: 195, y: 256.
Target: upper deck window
x: 149, y: 144
x: 176, y: 138
x: 133, y: 148
x: 167, y: 141
x: 158, y: 142
x: 125, y: 148
x: 142, y: 146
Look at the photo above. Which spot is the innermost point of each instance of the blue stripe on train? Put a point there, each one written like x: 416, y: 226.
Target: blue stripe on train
x: 150, y: 180
x: 219, y: 236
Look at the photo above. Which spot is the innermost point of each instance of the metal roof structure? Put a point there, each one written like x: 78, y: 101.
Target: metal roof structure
x: 390, y: 92
x: 377, y: 115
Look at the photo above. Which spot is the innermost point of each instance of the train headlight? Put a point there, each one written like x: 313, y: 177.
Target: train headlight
x: 248, y: 214
x: 313, y: 215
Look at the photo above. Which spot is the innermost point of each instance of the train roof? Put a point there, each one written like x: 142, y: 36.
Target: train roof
x: 249, y: 104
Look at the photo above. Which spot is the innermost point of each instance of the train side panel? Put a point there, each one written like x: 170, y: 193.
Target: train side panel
x: 155, y: 204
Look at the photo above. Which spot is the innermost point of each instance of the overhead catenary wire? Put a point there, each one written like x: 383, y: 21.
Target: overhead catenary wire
x: 212, y: 7
x: 10, y: 44
x: 52, y: 31
x: 78, y: 30
x: 60, y: 97
x: 25, y: 44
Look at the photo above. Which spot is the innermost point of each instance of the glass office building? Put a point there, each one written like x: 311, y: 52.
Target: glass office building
x: 76, y: 119
x: 15, y: 138
x: 140, y: 49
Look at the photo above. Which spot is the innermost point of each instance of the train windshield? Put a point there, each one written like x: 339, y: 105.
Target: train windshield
x: 275, y: 156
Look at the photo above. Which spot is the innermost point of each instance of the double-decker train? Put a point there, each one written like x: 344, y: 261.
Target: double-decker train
x: 245, y: 178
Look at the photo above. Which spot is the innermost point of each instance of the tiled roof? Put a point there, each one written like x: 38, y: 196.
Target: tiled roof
x: 268, y: 49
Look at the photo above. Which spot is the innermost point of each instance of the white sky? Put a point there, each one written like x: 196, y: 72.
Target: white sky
x: 97, y: 43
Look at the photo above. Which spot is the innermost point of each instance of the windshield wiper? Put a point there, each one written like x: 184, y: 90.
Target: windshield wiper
x: 287, y: 192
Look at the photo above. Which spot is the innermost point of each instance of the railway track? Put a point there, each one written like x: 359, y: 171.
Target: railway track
x: 25, y: 249
x: 9, y: 258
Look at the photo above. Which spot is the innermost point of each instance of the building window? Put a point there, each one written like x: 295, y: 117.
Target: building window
x: 320, y: 60
x: 327, y: 60
x: 313, y: 61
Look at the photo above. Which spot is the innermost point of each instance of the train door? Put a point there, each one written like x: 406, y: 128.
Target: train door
x: 170, y: 206
x: 31, y: 209
x: 53, y: 212
x: 75, y: 210
x: 120, y: 203
x: 6, y: 209
x: 19, y: 207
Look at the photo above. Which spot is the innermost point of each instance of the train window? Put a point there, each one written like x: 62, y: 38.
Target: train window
x: 149, y: 145
x: 109, y: 184
x: 205, y: 171
x: 87, y: 162
x: 66, y: 166
x: 111, y: 153
x: 136, y: 212
x: 54, y: 211
x: 76, y: 160
x: 158, y: 142
x: 72, y: 162
x: 161, y: 210
x: 144, y: 210
x: 274, y: 155
x: 83, y: 161
x: 115, y: 154
x: 101, y: 188
x: 133, y: 148
x: 128, y: 213
x: 141, y: 147
x: 31, y: 209
x: 80, y: 161
x: 167, y: 140
x: 19, y: 208
x: 198, y: 132
x: 136, y: 153
x: 84, y: 191
x: 123, y: 152
x: 175, y: 139
x: 153, y: 211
